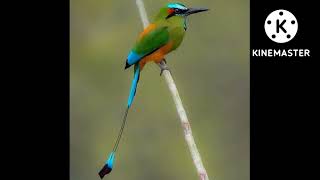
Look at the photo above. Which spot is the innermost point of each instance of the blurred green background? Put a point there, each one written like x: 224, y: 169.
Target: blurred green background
x: 211, y: 71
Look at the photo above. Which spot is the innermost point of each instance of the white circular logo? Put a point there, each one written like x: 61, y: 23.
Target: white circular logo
x: 281, y: 26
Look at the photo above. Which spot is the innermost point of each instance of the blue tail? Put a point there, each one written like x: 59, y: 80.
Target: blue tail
x: 107, y: 168
x: 134, y: 84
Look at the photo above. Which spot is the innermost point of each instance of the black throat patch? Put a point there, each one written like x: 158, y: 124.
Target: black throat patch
x: 185, y: 23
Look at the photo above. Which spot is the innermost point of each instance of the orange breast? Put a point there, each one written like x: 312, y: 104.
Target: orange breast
x: 158, y: 55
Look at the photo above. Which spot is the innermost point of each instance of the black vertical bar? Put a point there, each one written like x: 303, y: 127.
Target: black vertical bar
x: 284, y: 93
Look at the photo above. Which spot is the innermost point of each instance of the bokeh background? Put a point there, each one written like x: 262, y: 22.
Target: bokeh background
x: 211, y: 71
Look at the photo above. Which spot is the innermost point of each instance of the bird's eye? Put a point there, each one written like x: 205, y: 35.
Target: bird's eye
x: 177, y: 10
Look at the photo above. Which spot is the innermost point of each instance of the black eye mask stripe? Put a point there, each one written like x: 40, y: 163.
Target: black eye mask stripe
x: 177, y: 12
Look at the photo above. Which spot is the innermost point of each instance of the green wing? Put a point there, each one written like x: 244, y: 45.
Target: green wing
x: 152, y: 41
x: 149, y: 43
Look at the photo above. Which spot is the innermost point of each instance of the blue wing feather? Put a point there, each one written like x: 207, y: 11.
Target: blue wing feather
x: 133, y: 58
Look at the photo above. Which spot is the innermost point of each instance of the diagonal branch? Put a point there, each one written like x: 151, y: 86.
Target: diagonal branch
x: 182, y: 113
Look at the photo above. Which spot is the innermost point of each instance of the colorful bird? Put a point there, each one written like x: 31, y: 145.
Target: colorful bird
x: 162, y: 36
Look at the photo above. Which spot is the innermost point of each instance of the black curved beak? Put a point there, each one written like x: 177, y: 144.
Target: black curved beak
x: 195, y: 10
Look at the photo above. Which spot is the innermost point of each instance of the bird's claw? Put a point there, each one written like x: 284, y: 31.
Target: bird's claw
x: 163, y: 66
x: 164, y: 60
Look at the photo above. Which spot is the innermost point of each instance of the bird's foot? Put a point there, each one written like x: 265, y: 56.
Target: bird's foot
x: 164, y: 60
x: 163, y: 66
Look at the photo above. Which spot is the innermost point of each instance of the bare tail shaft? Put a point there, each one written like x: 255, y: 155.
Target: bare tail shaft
x: 107, y: 168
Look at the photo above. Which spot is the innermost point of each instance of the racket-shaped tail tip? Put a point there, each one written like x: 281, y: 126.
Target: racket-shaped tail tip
x: 104, y: 171
x: 107, y: 168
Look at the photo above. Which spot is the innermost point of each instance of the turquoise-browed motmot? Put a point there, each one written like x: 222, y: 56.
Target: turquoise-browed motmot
x: 162, y: 36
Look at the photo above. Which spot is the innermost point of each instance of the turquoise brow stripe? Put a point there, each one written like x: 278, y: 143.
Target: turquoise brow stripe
x: 177, y: 6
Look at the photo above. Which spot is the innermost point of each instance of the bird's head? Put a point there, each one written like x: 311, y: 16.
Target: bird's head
x: 178, y: 9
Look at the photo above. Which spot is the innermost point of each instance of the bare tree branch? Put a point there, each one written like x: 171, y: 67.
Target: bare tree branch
x: 182, y: 113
